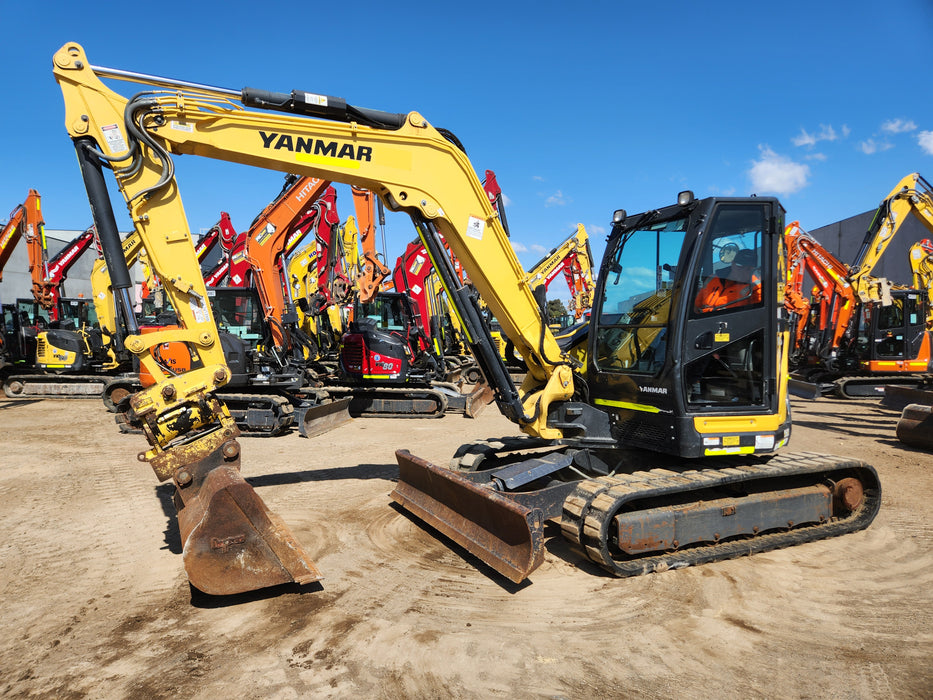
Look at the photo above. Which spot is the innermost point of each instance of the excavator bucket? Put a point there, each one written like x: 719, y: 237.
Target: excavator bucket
x: 915, y: 428
x: 478, y: 399
x: 508, y: 536
x: 232, y: 542
x: 317, y: 419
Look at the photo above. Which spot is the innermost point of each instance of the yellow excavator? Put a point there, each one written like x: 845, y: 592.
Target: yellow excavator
x: 663, y: 456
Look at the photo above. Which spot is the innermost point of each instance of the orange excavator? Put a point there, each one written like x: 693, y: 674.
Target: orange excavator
x: 264, y: 349
x: 860, y: 333
x: 364, y: 257
x: 19, y: 332
x: 53, y: 345
x: 26, y: 218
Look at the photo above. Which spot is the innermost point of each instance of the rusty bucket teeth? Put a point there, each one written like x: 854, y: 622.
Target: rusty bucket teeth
x: 321, y: 418
x: 508, y: 536
x: 232, y: 542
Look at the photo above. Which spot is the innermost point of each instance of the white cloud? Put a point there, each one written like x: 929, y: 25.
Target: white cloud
x: 871, y: 146
x: 777, y: 174
x: 539, y: 249
x: 898, y: 126
x: 556, y: 200
x: 804, y: 139
x: 816, y: 156
x: 518, y: 247
x: 505, y: 200
x: 537, y: 178
x: 925, y: 139
x: 596, y: 230
x: 826, y: 133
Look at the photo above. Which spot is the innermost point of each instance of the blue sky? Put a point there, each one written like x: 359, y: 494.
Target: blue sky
x: 579, y: 108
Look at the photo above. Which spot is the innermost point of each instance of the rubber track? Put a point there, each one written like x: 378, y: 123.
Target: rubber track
x: 279, y: 406
x: 392, y: 394
x: 878, y: 381
x: 61, y: 379
x: 589, y: 510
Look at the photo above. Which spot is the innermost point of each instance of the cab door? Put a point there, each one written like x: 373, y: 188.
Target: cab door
x: 729, y: 343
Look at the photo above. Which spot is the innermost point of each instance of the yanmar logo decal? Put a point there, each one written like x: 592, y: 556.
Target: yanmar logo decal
x: 653, y: 389
x: 314, y: 150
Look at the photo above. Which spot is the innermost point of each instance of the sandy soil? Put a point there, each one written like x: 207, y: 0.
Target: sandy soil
x: 96, y: 603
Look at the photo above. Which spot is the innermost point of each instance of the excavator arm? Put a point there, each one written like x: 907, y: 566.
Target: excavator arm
x: 232, y: 543
x: 402, y: 159
x: 912, y: 195
x: 572, y: 258
x: 921, y: 265
x: 48, y: 292
x: 13, y: 229
x: 409, y: 164
x: 266, y: 244
x: 372, y: 271
x: 37, y: 250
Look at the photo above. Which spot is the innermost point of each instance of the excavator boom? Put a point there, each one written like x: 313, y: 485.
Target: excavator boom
x: 651, y: 352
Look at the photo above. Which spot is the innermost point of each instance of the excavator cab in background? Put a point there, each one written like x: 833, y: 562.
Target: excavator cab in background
x: 382, y: 341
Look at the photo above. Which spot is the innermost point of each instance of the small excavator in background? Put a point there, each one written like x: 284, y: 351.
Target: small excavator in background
x: 19, y: 333
x: 54, y: 345
x: 655, y: 460
x: 859, y: 333
x: 264, y: 350
x: 574, y: 259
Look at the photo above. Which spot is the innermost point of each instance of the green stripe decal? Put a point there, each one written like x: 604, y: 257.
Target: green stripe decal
x: 626, y: 404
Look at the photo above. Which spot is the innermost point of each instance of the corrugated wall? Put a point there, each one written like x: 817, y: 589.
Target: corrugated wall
x: 844, y: 239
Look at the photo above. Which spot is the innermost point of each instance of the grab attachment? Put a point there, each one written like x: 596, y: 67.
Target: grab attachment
x: 507, y: 535
x: 232, y: 542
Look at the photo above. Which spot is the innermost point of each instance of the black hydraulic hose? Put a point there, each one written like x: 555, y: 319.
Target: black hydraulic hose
x: 322, y: 106
x: 108, y: 233
x: 482, y: 345
x: 136, y: 109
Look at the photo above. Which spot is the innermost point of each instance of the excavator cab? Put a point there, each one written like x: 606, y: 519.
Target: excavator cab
x: 381, y: 340
x: 662, y: 360
x: 76, y: 313
x: 893, y: 338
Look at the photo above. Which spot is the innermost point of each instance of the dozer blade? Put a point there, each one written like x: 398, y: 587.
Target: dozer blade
x: 803, y: 390
x: 232, y: 542
x: 506, y: 535
x: 478, y: 399
x: 318, y: 419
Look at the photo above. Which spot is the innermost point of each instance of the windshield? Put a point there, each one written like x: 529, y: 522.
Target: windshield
x: 237, y: 311
x: 636, y: 301
x: 77, y: 312
x: 387, y: 311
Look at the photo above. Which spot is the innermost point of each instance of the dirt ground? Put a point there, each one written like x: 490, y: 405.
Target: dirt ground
x: 96, y: 603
